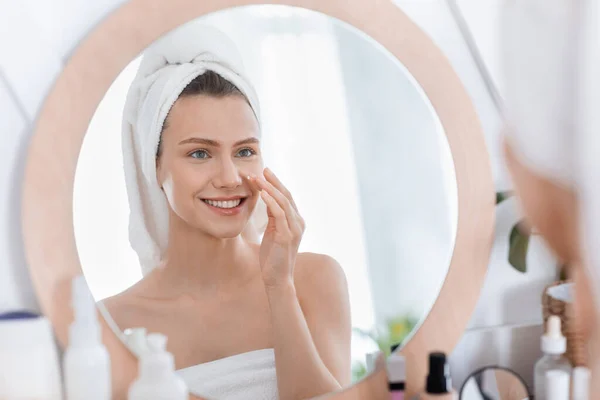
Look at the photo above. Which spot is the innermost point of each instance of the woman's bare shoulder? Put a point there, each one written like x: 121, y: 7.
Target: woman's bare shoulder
x: 322, y: 292
x: 319, y: 275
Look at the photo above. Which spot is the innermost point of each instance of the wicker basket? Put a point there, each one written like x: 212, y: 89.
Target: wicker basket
x: 576, y: 349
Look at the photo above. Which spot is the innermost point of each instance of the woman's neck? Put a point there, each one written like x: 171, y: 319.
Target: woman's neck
x: 198, y: 260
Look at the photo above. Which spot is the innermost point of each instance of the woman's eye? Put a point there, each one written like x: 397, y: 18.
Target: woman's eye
x: 199, y: 154
x: 246, y: 152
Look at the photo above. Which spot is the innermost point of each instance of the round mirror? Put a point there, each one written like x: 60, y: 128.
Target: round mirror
x: 341, y: 124
x: 494, y: 383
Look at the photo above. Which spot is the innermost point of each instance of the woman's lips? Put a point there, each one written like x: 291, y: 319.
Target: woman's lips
x: 227, y: 207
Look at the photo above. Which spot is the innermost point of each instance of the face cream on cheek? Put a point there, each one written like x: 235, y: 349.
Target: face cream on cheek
x: 168, y: 189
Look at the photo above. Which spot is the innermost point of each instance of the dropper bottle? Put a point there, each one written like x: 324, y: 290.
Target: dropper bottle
x: 553, y: 346
x: 86, y: 361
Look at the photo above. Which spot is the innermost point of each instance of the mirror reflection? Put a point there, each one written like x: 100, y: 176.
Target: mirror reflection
x: 494, y: 383
x: 272, y: 190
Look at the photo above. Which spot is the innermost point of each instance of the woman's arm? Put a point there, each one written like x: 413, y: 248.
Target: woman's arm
x: 311, y: 328
x: 312, y: 339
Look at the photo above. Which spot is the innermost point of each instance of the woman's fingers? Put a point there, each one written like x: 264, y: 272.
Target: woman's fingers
x: 275, y: 212
x: 283, y: 202
x: 281, y: 195
x: 252, y: 183
x: 274, y: 180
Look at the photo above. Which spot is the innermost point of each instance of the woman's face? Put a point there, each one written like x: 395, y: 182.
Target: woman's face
x: 209, y: 145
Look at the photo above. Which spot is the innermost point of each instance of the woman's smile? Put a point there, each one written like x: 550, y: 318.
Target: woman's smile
x: 226, y: 206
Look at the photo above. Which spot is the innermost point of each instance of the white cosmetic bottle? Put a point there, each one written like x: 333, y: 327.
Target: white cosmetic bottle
x: 557, y: 385
x: 554, y: 346
x: 581, y: 383
x: 157, y: 379
x: 86, y: 361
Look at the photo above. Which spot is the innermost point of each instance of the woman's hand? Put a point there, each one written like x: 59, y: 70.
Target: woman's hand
x: 283, y: 234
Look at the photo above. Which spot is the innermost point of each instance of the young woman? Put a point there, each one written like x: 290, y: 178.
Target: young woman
x: 244, y: 318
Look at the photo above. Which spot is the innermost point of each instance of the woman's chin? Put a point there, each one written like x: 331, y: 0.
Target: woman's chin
x: 229, y: 234
x: 226, y: 232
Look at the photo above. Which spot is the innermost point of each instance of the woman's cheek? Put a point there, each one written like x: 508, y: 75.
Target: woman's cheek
x: 181, y: 183
x: 258, y: 165
x: 254, y: 167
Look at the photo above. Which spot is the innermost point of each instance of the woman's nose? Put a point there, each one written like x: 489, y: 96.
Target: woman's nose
x: 228, y: 176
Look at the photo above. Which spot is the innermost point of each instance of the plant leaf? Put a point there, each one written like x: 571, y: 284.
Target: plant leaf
x: 501, y: 196
x: 359, y: 371
x: 362, y: 332
x: 518, y: 245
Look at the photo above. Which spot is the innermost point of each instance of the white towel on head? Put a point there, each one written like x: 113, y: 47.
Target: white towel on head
x: 167, y: 67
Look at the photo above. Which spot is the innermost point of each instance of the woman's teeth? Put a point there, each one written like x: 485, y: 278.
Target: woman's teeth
x: 224, y: 204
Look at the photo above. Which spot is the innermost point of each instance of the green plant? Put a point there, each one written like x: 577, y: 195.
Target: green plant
x: 359, y: 370
x: 393, y: 332
x: 518, y: 240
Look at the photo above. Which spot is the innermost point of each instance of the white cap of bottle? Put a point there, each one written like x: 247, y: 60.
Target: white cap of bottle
x: 135, y: 338
x: 157, y: 378
x: 553, y: 341
x: 156, y: 361
x: 557, y: 385
x: 396, y: 368
x: 581, y: 383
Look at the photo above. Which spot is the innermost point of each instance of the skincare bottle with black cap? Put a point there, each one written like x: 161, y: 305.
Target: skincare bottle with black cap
x: 438, y: 385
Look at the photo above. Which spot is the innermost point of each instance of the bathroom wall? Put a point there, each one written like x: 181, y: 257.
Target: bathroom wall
x: 36, y: 36
x: 508, y: 312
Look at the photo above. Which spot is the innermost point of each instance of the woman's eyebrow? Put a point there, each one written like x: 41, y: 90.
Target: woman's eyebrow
x: 214, y: 143
x: 208, y: 142
x: 246, y: 141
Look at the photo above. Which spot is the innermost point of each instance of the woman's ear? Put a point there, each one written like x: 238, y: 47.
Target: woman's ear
x: 159, y: 172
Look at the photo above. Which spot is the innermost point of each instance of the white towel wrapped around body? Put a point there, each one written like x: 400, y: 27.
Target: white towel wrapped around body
x: 167, y: 67
x: 249, y: 375
x: 242, y: 376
